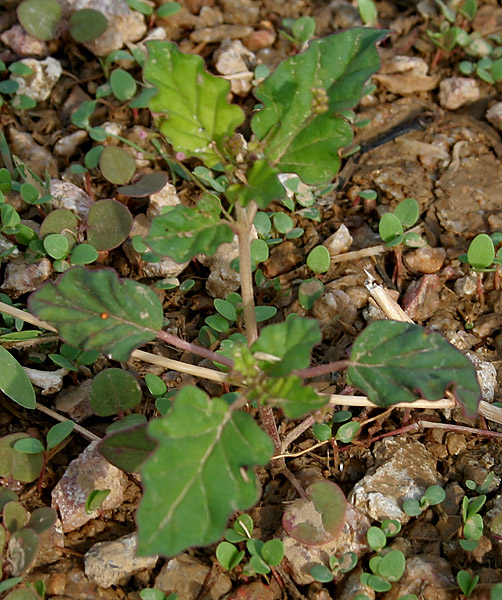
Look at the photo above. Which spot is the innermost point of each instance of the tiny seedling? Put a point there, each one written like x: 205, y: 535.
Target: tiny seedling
x: 484, y: 488
x: 337, y: 566
x: 481, y: 255
x: 95, y: 500
x: 473, y: 522
x: 156, y: 594
x: 393, y: 225
x: 467, y: 582
x: 433, y: 495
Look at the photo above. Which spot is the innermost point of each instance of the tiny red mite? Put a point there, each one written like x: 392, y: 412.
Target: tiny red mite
x: 104, y: 315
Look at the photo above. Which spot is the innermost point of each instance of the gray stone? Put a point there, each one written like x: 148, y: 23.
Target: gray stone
x: 234, y: 61
x: 67, y: 195
x: 403, y: 470
x: 339, y: 242
x: 23, y: 43
x: 185, y: 576
x: 111, y: 563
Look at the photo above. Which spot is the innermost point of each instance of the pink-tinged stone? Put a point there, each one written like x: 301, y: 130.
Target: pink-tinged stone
x: 89, y: 472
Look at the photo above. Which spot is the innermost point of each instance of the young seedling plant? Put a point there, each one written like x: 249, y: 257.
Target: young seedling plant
x: 198, y: 460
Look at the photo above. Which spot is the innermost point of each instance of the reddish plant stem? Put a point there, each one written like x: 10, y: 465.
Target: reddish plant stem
x: 415, y: 427
x: 177, y: 342
x: 332, y: 367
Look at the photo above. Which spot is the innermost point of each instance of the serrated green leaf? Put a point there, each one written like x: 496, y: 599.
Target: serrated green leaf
x: 395, y: 362
x: 192, y: 107
x: 96, y: 310
x: 263, y: 186
x: 302, y: 96
x: 291, y: 341
x: 14, y: 382
x: 201, y: 471
x: 181, y: 232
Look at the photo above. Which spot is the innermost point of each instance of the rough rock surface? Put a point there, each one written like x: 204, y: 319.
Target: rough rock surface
x: 403, y: 470
x: 108, y: 563
x: 67, y: 195
x: 186, y: 575
x: 88, y: 472
x: 454, y: 92
x: 21, y: 277
x: 45, y: 74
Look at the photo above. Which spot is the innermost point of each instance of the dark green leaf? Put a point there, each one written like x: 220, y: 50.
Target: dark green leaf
x: 168, y: 9
x: 396, y: 362
x: 14, y: 382
x: 22, y: 550
x: 123, y: 84
x: 29, y: 445
x: 59, y: 432
x: 147, y: 185
x: 113, y: 391
x: 301, y: 99
x: 16, y: 465
x: 200, y: 473
x: 116, y: 165
x: 87, y: 24
x: 127, y: 449
x: 95, y: 310
x: 42, y: 519
x: 108, y: 224
x: 193, y: 111
x: 289, y: 394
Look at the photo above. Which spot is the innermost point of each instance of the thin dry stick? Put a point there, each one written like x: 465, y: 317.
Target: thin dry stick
x: 356, y: 254
x: 78, y: 428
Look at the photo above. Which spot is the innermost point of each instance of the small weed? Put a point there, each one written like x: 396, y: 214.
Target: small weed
x: 393, y: 225
x: 467, y: 582
x: 433, y: 495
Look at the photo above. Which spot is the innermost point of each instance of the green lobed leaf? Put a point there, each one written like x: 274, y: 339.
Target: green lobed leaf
x: 289, y: 394
x: 395, y: 362
x: 193, y: 111
x: 14, y: 382
x: 181, y: 232
x: 263, y: 186
x: 301, y: 99
x: 96, y: 310
x: 291, y: 341
x: 201, y: 471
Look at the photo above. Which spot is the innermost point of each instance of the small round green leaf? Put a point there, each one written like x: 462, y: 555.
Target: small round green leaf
x: 321, y: 573
x: 392, y: 565
x: 56, y: 246
x: 407, y: 212
x: 321, y: 431
x: 318, y: 259
x: 226, y: 309
x: 59, y: 432
x: 389, y: 227
x: 117, y: 165
x: 435, y: 494
x: 87, y: 24
x: 114, y: 391
x: 218, y: 323
x: 347, y: 432
x: 228, y: 555
x: 376, y: 538
x: 303, y: 29
x: 108, y: 224
x: 168, y: 9
x: 282, y: 222
x: 29, y: 445
x: 83, y: 254
x: 262, y: 313
x: 481, y: 252
x: 42, y: 519
x: 259, y: 251
x: 155, y: 385
x: 18, y: 465
x: 412, y: 508
x: 378, y: 584
x: 273, y: 552
x: 15, y: 516
x: 123, y: 84
x: 39, y: 17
